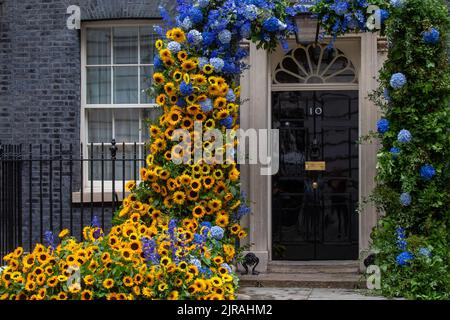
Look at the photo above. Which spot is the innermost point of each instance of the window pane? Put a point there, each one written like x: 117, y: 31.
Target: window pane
x: 126, y: 125
x: 98, y: 46
x: 98, y: 165
x: 99, y: 125
x: 126, y: 45
x: 148, y: 38
x: 98, y: 85
x: 128, y: 169
x: 146, y: 82
x: 126, y: 85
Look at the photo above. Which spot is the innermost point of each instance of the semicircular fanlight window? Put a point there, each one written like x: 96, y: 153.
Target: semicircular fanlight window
x: 315, y: 64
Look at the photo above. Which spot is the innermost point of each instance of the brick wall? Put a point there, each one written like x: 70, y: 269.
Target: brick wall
x: 40, y: 87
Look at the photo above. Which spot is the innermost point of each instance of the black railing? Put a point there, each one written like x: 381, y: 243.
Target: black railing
x: 55, y: 187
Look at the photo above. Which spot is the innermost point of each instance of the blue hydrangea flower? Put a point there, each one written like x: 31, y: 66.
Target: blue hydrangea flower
x: 386, y: 95
x: 203, y: 3
x: 401, y: 244
x: 340, y: 7
x: 250, y: 12
x: 227, y: 122
x: 404, y: 136
x: 383, y: 126
x: 195, y: 15
x: 206, y: 224
x: 217, y: 232
x: 404, y: 258
x: 431, y: 36
x: 226, y: 266
x: 396, y: 3
x: 186, y: 24
x: 202, y: 61
x: 384, y: 14
x: 231, y: 96
x: 224, y: 36
x: 425, y: 252
x: 400, y: 233
x: 272, y: 24
x: 49, y: 240
x: 245, y: 30
x: 157, y: 63
x: 195, y: 262
x: 427, y: 172
x: 398, y: 80
x: 206, y: 105
x: 186, y: 89
x: 395, y: 152
x: 217, y: 63
x: 194, y: 37
x: 174, y: 46
x: 208, y: 38
x: 405, y: 199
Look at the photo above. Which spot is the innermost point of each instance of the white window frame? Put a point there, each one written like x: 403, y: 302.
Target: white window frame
x: 97, y: 185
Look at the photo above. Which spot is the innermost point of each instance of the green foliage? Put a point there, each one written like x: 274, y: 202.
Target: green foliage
x: 421, y: 106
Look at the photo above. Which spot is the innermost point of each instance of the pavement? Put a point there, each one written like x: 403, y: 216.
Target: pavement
x: 255, y: 293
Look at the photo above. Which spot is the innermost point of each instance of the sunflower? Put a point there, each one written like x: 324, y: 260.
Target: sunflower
x: 174, y: 117
x: 216, y: 281
x: 52, y: 281
x: 196, y: 185
x: 108, y: 283
x: 30, y: 286
x: 177, y: 35
x: 193, y: 109
x: 182, y: 55
x: 192, y: 195
x: 62, y: 296
x: 185, y: 179
x: 138, y: 279
x: 159, y: 44
x: 169, y: 62
x: 187, y: 123
x: 159, y: 78
x: 200, y: 117
x: 218, y: 260
x: 209, y: 124
x: 179, y: 197
x: 86, y: 295
x: 208, y: 182
x: 127, y: 254
x: 28, y: 260
x: 222, y: 220
x: 208, y: 69
x: 161, y: 99
x: 191, y: 99
x: 200, y: 80
x: 159, y: 144
x: 235, y: 228
x: 165, y: 54
x: 215, y: 204
x: 88, y: 280
x: 135, y: 246
x: 220, y: 103
x: 214, y: 90
x: 162, y: 286
x: 188, y: 65
x: 173, y: 295
x: 177, y: 76
x: 198, y: 212
x: 234, y: 174
x: 173, y: 99
x: 242, y: 234
x: 169, y: 88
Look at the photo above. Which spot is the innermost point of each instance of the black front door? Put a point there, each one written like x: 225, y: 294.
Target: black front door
x: 315, y: 192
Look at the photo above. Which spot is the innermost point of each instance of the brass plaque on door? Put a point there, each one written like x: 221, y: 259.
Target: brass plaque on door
x: 315, y: 166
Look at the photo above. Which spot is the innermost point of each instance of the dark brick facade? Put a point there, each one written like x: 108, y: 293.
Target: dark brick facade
x: 40, y: 65
x: 40, y: 76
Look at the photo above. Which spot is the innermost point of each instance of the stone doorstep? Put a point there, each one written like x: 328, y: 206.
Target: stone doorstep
x: 304, y: 280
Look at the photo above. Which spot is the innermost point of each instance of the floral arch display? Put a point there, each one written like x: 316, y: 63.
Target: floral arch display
x: 174, y: 236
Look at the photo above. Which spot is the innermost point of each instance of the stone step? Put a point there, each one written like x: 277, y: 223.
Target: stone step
x: 305, y: 267
x: 304, y: 280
